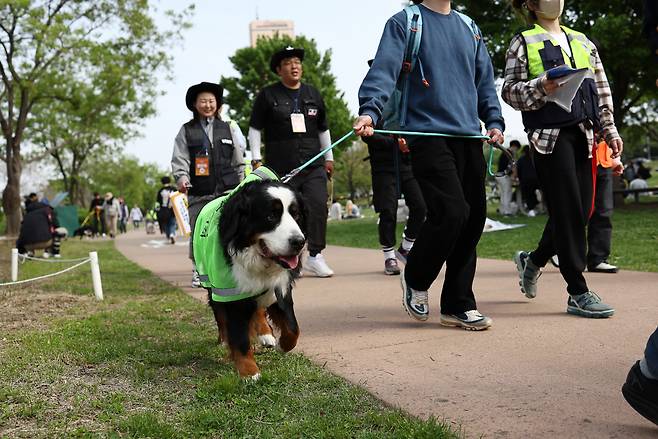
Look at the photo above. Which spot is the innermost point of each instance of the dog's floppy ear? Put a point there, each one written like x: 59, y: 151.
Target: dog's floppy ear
x: 303, y: 211
x: 234, y: 214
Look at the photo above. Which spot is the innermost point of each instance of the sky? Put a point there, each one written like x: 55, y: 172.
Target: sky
x: 220, y: 27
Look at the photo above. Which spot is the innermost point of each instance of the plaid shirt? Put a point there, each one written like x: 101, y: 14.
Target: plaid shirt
x: 527, y: 95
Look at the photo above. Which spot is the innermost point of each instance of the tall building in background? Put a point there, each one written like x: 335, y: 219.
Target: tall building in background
x: 269, y: 28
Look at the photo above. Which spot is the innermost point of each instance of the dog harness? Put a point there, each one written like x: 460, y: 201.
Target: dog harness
x: 214, y: 270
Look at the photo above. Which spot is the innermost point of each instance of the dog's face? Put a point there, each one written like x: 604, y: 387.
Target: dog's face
x: 266, y: 219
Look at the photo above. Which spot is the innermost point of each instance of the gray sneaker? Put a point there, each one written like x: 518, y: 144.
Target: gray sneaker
x: 391, y: 267
x: 528, y: 274
x: 470, y: 320
x: 414, y: 302
x: 589, y: 304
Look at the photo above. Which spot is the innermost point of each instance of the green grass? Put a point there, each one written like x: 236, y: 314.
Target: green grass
x: 145, y: 363
x: 634, y: 236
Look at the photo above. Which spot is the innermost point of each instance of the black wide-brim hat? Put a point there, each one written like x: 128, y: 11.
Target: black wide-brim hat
x: 193, y: 92
x: 282, y: 54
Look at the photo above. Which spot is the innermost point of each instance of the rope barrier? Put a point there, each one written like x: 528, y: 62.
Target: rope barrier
x: 92, y: 259
x: 46, y: 275
x: 23, y: 258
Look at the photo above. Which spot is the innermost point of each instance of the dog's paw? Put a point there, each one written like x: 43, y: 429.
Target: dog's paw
x: 267, y: 340
x: 252, y: 378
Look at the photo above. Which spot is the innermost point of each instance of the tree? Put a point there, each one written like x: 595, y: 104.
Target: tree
x: 615, y: 26
x: 253, y: 67
x: 124, y: 176
x: 47, y: 44
x: 352, y: 174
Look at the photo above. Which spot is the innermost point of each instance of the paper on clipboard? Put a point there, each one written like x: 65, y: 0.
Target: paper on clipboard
x: 179, y: 205
x: 569, y: 81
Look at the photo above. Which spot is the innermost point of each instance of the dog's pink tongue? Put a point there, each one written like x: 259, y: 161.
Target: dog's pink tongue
x: 292, y: 261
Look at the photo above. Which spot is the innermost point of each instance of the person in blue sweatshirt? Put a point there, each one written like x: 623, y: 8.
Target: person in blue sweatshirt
x: 452, y: 93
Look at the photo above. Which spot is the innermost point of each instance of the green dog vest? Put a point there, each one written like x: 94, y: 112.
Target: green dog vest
x: 211, y: 264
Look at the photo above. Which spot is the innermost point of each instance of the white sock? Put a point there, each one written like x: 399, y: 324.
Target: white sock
x: 389, y: 254
x: 407, y: 243
x: 644, y: 367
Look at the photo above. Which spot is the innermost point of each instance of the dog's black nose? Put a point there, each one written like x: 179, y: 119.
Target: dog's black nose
x: 297, y: 242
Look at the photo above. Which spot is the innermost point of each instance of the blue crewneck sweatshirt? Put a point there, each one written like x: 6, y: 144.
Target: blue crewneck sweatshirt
x: 456, y: 64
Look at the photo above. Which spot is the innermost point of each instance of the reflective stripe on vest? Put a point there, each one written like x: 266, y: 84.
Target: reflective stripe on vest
x: 535, y: 38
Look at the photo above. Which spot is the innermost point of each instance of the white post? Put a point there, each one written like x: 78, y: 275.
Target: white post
x: 96, y: 275
x: 14, y: 264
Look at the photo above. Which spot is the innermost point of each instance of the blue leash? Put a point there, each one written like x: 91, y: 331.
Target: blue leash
x: 286, y: 178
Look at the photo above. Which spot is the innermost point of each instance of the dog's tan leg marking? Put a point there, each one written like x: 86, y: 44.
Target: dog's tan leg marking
x: 245, y: 364
x: 288, y: 338
x: 262, y: 329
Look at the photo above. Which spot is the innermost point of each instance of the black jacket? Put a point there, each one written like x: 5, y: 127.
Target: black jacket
x: 39, y: 223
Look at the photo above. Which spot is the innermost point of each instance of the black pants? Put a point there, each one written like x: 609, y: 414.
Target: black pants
x: 312, y: 184
x: 385, y: 199
x: 565, y: 177
x: 450, y: 173
x: 599, y: 230
x: 528, y: 193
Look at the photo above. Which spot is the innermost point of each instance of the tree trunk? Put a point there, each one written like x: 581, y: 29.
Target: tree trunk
x: 11, y: 195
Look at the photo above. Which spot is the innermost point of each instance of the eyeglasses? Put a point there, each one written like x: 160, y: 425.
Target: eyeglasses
x: 510, y: 164
x: 291, y: 62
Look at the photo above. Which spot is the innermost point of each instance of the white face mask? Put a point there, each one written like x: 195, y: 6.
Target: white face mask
x: 550, y: 9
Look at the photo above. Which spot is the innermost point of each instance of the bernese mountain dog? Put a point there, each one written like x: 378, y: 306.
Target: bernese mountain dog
x: 261, y: 232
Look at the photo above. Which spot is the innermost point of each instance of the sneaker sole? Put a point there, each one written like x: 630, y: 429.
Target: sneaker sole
x: 313, y: 274
x: 401, y: 257
x: 598, y: 270
x: 411, y: 314
x: 391, y: 273
x: 640, y: 404
x: 590, y: 314
x: 462, y: 325
x: 519, y: 269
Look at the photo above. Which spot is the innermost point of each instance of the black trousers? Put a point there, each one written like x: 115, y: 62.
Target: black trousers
x: 385, y: 199
x: 312, y: 184
x: 450, y: 173
x: 565, y: 177
x: 599, y: 229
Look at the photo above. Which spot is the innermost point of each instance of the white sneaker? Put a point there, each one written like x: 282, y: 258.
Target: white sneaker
x: 317, y: 266
x: 196, y: 282
x: 532, y: 213
x: 57, y: 256
x: 46, y: 255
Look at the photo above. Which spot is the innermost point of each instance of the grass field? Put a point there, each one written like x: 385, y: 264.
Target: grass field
x: 145, y: 363
x: 634, y: 240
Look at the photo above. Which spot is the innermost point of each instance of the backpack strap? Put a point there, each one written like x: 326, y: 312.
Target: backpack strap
x: 414, y: 33
x: 471, y: 24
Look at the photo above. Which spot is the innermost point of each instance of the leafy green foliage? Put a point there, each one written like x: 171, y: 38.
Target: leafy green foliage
x: 253, y: 67
x: 76, y: 75
x: 352, y: 173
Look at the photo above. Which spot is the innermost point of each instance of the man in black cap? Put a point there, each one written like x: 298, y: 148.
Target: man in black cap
x: 293, y: 117
x: 208, y: 156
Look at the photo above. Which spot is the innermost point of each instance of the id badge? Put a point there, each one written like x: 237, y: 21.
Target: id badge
x: 202, y: 166
x: 298, y: 123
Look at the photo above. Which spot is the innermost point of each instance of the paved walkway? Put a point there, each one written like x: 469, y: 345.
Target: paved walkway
x: 537, y: 373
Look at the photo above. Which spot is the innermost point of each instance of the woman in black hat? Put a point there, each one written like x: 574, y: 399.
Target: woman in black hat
x: 208, y: 157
